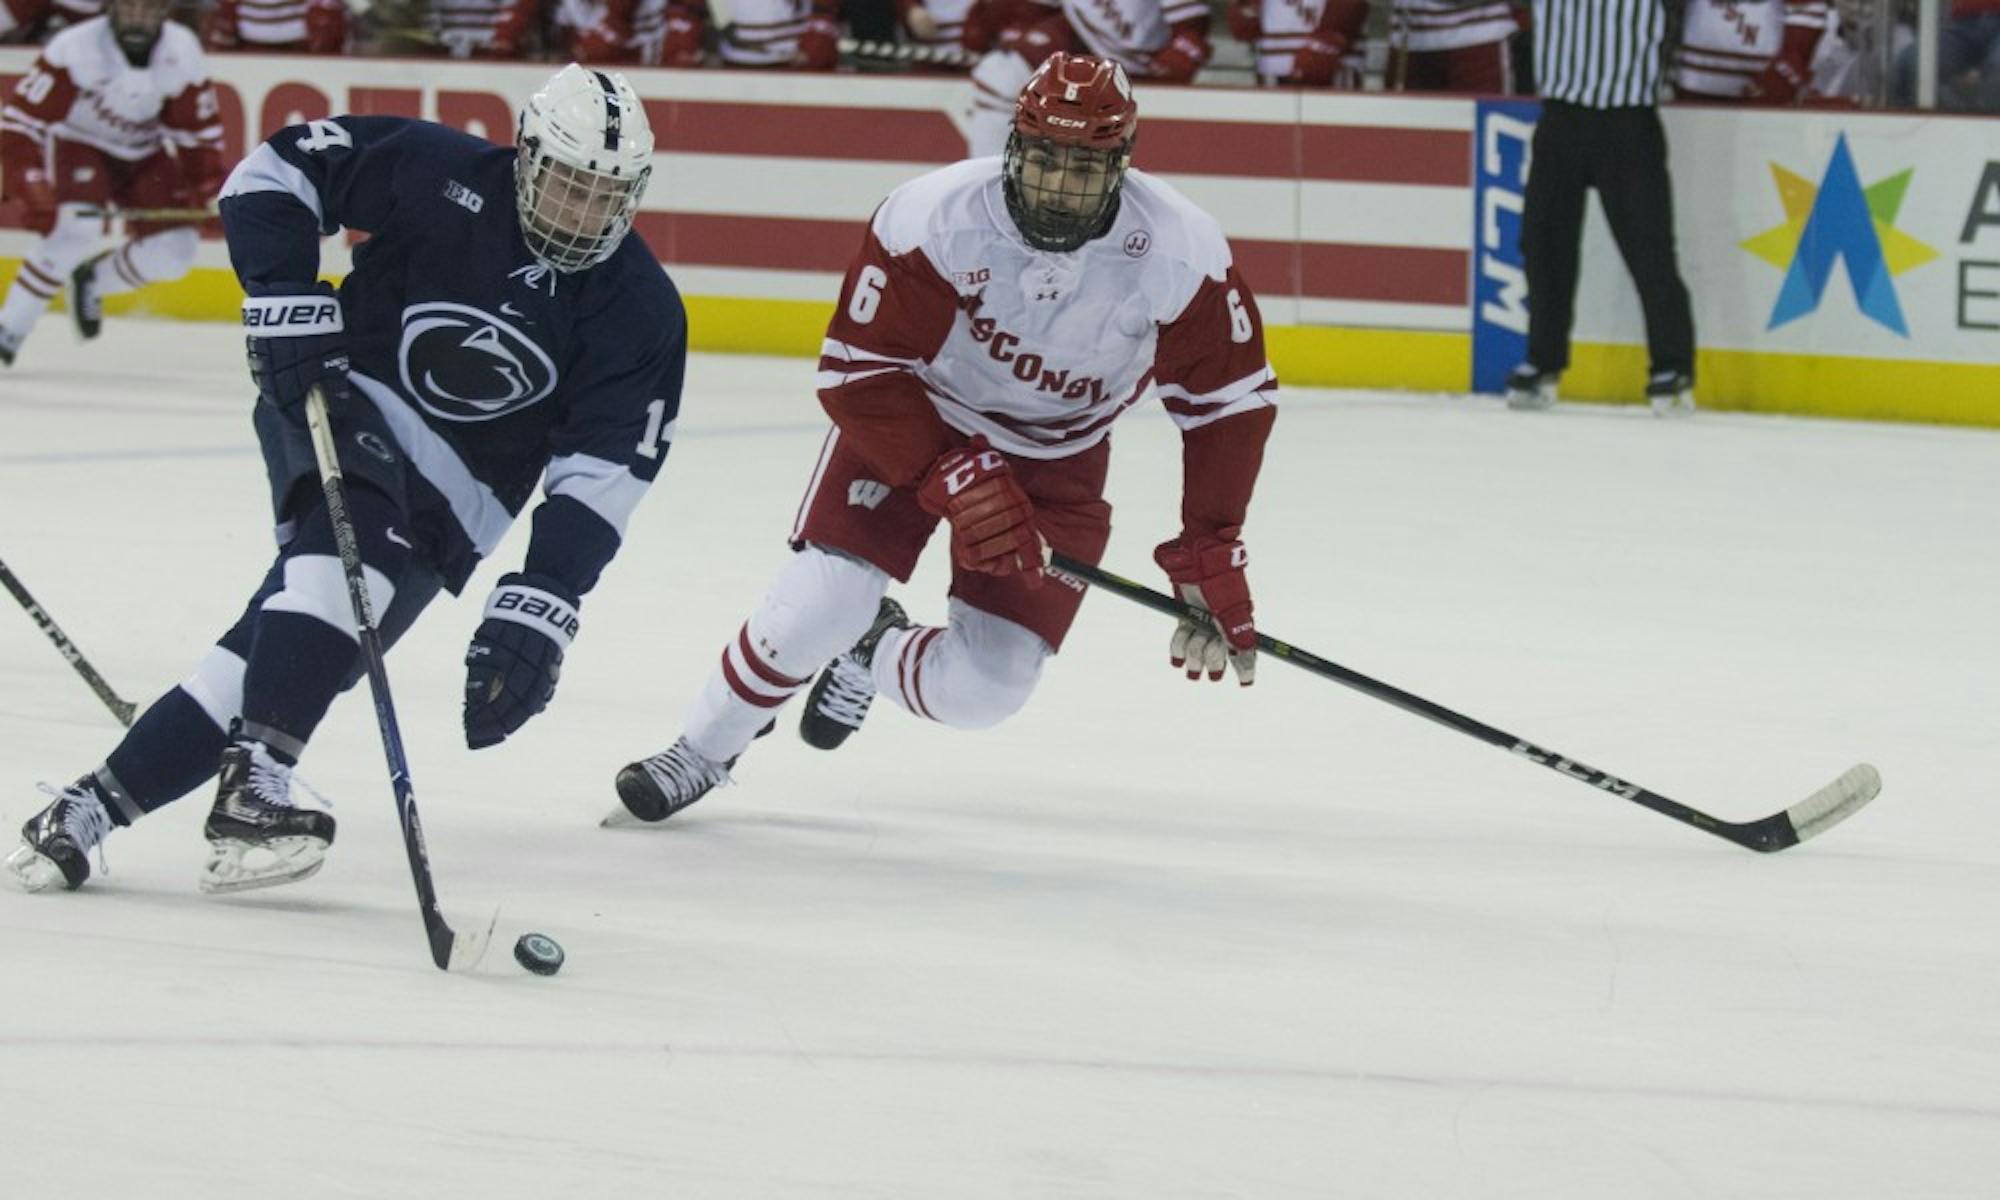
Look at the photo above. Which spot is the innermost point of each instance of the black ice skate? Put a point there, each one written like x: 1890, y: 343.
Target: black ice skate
x: 257, y: 837
x: 840, y: 697
x: 56, y: 842
x: 656, y: 788
x: 86, y: 303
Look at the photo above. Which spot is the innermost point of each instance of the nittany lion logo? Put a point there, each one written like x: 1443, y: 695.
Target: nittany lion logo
x: 465, y: 364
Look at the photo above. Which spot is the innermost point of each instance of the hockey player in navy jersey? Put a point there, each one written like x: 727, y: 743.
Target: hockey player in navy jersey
x: 502, y: 324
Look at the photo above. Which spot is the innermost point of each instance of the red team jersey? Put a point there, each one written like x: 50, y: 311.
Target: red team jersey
x: 83, y: 90
x: 950, y: 325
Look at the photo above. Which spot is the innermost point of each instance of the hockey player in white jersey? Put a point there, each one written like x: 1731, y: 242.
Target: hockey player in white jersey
x: 1314, y: 43
x: 116, y: 110
x: 1162, y: 41
x: 1750, y: 51
x: 1000, y: 316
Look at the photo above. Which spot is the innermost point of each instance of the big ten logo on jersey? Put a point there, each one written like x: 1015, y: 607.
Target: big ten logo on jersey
x: 1031, y: 367
x: 463, y: 196
x: 972, y: 279
x: 464, y: 364
x: 1505, y: 129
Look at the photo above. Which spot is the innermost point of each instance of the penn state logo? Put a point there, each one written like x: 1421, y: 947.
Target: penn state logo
x: 465, y: 364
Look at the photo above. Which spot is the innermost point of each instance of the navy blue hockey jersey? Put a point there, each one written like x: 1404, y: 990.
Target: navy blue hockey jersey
x: 490, y: 369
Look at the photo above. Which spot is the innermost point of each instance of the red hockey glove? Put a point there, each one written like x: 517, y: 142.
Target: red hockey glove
x: 1314, y: 64
x: 218, y: 27
x: 819, y: 45
x: 1208, y: 573
x: 1246, y: 20
x: 992, y: 519
x: 201, y: 175
x: 681, y: 46
x: 326, y: 27
x: 35, y: 192
x: 598, y: 43
x: 1779, y: 83
x: 1179, y: 59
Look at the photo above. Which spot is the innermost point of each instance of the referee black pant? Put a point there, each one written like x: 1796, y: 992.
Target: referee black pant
x: 1622, y: 152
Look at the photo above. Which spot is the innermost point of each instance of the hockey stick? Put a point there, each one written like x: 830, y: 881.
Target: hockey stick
x: 1814, y: 815
x: 909, y: 53
x: 110, y: 211
x: 450, y: 950
x: 124, y: 710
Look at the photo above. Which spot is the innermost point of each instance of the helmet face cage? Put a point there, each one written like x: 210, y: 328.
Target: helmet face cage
x: 572, y: 217
x: 584, y: 154
x: 1059, y: 194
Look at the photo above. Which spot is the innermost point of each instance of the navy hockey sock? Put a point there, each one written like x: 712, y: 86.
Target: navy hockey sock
x: 171, y: 750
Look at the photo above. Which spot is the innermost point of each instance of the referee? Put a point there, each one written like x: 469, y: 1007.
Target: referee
x: 1598, y: 64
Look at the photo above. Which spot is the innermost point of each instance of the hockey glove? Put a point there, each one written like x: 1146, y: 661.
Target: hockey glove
x: 1207, y: 572
x: 1314, y: 63
x: 819, y: 44
x: 1180, y: 58
x: 1246, y: 21
x: 516, y: 656
x: 296, y: 340
x: 1779, y: 83
x: 992, y: 519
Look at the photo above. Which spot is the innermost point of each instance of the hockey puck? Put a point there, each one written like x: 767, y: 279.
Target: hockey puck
x: 538, y: 952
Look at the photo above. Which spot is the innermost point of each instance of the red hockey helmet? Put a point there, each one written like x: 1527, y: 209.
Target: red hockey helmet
x: 1074, y: 125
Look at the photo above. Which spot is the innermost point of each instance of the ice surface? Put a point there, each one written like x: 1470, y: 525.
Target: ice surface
x: 1146, y: 940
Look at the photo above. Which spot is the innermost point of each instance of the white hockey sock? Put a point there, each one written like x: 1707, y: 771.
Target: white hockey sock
x: 971, y: 674
x: 155, y: 258
x: 816, y: 608
x: 47, y: 268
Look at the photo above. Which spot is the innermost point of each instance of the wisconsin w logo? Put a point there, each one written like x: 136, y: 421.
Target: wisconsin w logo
x: 866, y: 493
x: 465, y: 364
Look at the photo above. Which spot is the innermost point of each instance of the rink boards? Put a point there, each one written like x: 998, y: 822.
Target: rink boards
x: 1380, y: 233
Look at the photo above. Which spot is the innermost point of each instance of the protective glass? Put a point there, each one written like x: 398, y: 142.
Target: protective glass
x: 1061, y: 196
x: 573, y: 218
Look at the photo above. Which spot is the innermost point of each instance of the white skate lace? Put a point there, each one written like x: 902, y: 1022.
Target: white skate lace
x: 848, y: 693
x: 680, y: 771
x: 84, y: 819
x: 272, y: 780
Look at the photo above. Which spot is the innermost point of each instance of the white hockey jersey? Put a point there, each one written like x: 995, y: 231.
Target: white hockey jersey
x: 1728, y: 43
x: 82, y: 89
x: 1423, y: 26
x: 1129, y: 31
x: 1039, y: 351
x: 764, y: 33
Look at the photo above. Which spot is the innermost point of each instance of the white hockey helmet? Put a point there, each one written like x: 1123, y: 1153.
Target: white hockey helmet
x: 585, y: 150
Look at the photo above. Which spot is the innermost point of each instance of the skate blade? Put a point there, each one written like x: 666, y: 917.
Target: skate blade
x: 622, y: 818
x: 243, y: 867
x: 35, y: 871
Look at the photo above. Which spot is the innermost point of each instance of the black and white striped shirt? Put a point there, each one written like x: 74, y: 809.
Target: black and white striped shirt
x: 1600, y: 53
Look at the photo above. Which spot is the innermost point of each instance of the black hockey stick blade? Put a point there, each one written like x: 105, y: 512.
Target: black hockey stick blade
x: 1810, y: 817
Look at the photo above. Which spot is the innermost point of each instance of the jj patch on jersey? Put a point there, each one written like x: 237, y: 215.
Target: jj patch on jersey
x: 490, y: 368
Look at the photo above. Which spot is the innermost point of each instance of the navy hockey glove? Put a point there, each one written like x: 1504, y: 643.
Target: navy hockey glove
x: 516, y: 656
x: 296, y: 340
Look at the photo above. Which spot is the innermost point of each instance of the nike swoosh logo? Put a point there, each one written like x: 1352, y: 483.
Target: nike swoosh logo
x: 398, y: 539
x: 511, y: 311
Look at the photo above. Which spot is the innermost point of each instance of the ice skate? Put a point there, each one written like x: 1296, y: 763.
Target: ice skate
x: 656, y: 788
x: 1531, y: 389
x: 257, y: 837
x: 86, y: 303
x: 56, y: 842
x: 840, y: 697
x: 1670, y: 393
